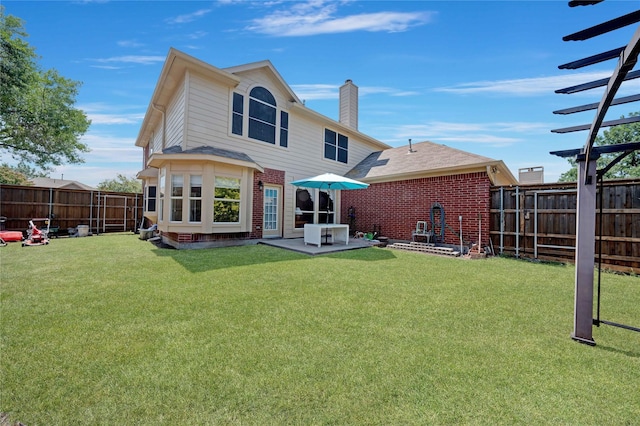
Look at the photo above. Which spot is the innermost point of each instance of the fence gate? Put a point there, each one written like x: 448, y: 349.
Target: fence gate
x: 114, y: 212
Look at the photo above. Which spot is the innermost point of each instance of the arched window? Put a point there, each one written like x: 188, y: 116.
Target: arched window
x: 262, y: 115
x: 266, y: 122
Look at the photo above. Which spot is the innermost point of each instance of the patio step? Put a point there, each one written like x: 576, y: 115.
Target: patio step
x: 425, y: 248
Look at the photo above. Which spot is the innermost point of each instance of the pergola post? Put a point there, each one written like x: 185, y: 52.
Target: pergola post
x: 585, y: 252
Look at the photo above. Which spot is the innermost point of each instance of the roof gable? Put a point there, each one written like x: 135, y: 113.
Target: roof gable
x: 267, y: 67
x: 60, y: 183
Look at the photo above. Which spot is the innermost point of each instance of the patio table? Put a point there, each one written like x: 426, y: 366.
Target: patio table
x: 313, y: 233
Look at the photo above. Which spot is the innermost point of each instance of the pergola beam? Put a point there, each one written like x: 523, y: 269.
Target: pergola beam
x: 605, y: 27
x: 597, y: 83
x: 591, y: 60
x: 626, y: 120
x: 594, y: 105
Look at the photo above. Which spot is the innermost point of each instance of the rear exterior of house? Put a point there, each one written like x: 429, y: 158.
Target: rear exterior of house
x: 220, y: 147
x: 445, y: 187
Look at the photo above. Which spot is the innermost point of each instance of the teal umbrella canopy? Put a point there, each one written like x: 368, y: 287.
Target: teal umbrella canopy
x: 330, y: 181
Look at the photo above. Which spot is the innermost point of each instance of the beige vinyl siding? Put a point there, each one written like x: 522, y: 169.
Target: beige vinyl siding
x: 208, y: 113
x: 156, y: 142
x: 175, y: 118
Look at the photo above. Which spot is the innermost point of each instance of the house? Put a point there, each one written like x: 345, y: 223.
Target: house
x: 61, y: 184
x: 221, y: 146
x: 445, y: 187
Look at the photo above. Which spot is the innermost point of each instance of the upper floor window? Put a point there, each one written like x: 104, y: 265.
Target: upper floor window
x: 265, y: 121
x: 262, y: 115
x: 336, y: 146
x: 284, y: 129
x: 238, y: 111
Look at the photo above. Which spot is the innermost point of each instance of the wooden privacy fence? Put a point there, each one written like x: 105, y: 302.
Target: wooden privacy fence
x: 539, y: 222
x: 102, y: 211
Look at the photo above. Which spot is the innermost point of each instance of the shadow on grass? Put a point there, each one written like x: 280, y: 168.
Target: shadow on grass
x: 202, y: 260
x: 631, y: 354
x: 367, y: 254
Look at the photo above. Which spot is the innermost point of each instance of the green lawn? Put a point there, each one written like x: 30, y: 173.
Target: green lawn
x: 112, y: 330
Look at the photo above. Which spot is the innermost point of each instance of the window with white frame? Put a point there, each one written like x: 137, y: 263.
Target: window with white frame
x: 163, y: 175
x: 195, y: 198
x: 177, y: 190
x: 226, y: 200
x: 150, y: 194
x: 305, y: 209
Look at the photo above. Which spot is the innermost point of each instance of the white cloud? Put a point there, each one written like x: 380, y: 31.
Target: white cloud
x: 497, y: 134
x: 320, y: 17
x: 100, y: 113
x: 129, y: 43
x: 524, y: 86
x: 132, y: 59
x: 189, y: 17
x: 115, y: 119
x: 311, y: 92
x: 197, y: 35
x: 107, y: 143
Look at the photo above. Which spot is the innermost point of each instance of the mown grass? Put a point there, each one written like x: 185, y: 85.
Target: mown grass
x: 113, y: 330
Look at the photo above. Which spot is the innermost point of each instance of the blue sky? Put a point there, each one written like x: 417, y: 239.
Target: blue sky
x: 474, y: 75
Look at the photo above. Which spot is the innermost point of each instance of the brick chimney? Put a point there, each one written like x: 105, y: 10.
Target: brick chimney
x: 349, y: 104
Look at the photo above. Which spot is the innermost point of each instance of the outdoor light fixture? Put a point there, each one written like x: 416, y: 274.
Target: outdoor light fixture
x: 260, y: 185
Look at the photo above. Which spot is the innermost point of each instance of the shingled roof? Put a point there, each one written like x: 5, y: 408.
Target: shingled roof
x: 427, y: 159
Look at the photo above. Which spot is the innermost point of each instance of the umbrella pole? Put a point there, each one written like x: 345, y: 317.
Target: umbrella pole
x: 326, y: 231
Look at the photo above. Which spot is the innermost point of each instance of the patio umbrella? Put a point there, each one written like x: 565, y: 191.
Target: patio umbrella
x: 330, y: 181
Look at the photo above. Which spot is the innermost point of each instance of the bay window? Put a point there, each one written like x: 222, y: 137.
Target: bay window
x: 177, y: 185
x: 195, y: 198
x: 226, y: 200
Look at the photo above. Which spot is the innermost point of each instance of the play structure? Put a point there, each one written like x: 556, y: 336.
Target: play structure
x: 588, y: 175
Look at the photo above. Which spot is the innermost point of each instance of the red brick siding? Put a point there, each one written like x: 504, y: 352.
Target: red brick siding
x: 270, y: 176
x: 395, y: 207
x: 182, y: 238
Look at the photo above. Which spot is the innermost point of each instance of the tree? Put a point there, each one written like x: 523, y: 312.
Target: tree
x: 38, y: 121
x: 121, y: 184
x: 10, y: 176
x: 19, y: 175
x: 629, y: 166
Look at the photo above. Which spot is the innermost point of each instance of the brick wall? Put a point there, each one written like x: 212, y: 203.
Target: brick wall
x: 270, y: 176
x: 395, y: 207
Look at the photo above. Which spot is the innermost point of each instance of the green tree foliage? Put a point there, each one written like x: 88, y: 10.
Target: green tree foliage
x: 121, y: 184
x: 18, y: 175
x: 38, y: 121
x: 627, y: 167
x: 11, y: 176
